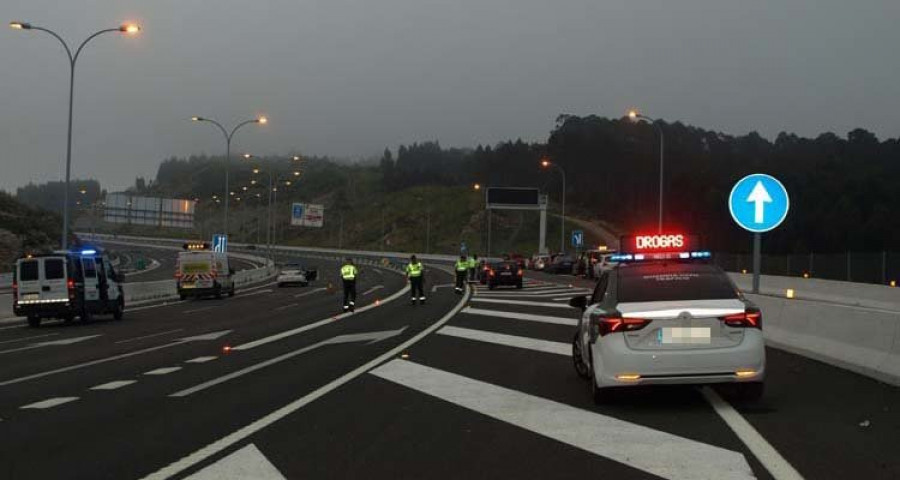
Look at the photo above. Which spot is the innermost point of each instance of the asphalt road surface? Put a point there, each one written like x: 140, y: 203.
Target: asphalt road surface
x: 462, y: 387
x: 165, y: 259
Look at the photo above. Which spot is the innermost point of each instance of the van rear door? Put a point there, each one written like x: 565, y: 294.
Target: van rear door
x: 91, y: 280
x: 54, y: 285
x: 28, y: 279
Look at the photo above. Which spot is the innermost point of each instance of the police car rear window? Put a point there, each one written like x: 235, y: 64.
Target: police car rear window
x: 672, y: 282
x: 53, y: 269
x: 28, y: 271
x: 90, y: 270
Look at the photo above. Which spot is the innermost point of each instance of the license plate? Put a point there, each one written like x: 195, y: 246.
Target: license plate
x: 31, y: 296
x: 505, y: 274
x: 683, y: 335
x: 187, y: 285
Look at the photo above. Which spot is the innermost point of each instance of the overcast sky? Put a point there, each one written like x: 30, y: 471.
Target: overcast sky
x: 349, y: 78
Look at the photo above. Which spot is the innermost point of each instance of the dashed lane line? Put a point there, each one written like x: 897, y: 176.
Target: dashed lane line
x: 163, y: 371
x: 49, y: 403
x: 28, y: 338
x: 115, y: 385
x: 202, y: 309
x: 201, y: 360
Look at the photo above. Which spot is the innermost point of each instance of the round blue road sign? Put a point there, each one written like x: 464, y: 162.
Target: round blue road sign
x: 758, y: 203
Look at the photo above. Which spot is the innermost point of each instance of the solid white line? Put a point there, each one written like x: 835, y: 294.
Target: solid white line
x: 305, y: 328
x: 246, y: 463
x: 523, y: 303
x: 49, y: 403
x: 285, y: 307
x: 114, y: 385
x: 150, y: 336
x: 28, y: 338
x: 762, y: 450
x: 200, y: 359
x: 195, y: 310
x: 521, y: 316
x: 673, y: 457
x: 508, y: 340
x: 13, y: 326
x: 163, y: 371
x: 247, y: 431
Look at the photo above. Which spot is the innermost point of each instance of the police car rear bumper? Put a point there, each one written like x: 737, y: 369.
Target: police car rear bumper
x: 616, y: 364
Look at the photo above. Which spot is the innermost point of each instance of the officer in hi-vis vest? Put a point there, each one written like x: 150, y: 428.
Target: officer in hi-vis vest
x: 415, y: 272
x: 349, y: 272
x: 462, y: 268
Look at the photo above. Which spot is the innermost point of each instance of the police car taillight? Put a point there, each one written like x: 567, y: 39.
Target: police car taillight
x: 605, y: 325
x: 752, y: 318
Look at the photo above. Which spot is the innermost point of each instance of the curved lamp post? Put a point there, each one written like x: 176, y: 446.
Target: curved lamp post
x: 129, y: 29
x: 635, y: 116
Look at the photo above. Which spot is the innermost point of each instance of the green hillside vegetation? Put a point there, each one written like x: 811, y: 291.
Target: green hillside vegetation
x: 23, y: 228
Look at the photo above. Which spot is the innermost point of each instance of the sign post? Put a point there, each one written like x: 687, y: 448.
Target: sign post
x: 758, y: 203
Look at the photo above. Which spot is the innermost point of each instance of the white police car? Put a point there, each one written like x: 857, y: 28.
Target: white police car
x: 665, y: 315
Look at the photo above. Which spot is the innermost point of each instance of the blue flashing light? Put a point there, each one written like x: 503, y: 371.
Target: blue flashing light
x: 89, y: 252
x: 701, y: 255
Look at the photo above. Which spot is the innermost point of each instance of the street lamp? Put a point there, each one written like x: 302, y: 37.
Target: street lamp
x: 545, y: 163
x: 129, y: 29
x: 636, y: 116
x: 228, y: 135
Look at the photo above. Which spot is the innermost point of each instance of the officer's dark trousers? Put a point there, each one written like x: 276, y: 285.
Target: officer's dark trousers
x: 417, y: 284
x: 349, y: 293
x: 460, y: 279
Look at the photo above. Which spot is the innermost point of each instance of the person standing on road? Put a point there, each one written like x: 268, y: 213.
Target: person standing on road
x: 349, y: 272
x: 415, y: 272
x: 461, y: 267
x: 473, y: 267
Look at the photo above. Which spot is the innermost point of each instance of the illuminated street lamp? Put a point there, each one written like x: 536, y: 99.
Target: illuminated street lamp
x: 546, y: 163
x: 636, y: 116
x: 261, y: 120
x: 477, y: 186
x: 127, y: 28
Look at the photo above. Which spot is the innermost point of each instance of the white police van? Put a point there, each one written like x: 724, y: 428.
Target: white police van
x: 66, y: 285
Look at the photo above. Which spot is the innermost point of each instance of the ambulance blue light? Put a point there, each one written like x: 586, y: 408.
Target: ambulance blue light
x: 89, y: 252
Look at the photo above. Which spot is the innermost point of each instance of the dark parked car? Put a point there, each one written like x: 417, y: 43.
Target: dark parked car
x: 505, y: 273
x: 563, y: 264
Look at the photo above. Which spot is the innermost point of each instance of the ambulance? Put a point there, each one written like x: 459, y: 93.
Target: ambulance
x: 67, y: 284
x: 199, y: 272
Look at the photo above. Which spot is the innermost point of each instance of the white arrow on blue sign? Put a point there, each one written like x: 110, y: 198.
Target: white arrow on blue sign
x: 577, y: 238
x: 758, y: 203
x: 220, y: 242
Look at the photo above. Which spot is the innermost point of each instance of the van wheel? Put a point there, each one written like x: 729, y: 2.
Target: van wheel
x: 231, y: 292
x: 119, y: 312
x: 182, y: 296
x: 86, y: 316
x: 34, y: 322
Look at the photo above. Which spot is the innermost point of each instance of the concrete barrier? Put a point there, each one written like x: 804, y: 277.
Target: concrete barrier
x: 6, y: 280
x: 831, y: 291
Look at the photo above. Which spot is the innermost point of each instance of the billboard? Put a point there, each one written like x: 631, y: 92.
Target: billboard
x: 513, y: 196
x: 307, y: 215
x: 152, y: 211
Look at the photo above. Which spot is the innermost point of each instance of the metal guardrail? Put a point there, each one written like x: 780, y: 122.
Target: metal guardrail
x: 6, y: 280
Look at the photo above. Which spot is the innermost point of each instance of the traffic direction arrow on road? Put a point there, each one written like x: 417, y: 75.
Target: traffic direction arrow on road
x: 367, y: 337
x: 247, y: 462
x: 51, y: 343
x: 180, y: 341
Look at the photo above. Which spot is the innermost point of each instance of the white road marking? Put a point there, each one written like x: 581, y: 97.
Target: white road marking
x: 246, y: 463
x: 762, y: 450
x: 520, y: 293
x: 14, y: 326
x: 315, y: 290
x: 163, y: 371
x: 508, y: 340
x: 376, y: 287
x: 285, y: 307
x: 51, y: 343
x: 521, y: 316
x: 248, y: 430
x: 305, y: 328
x: 28, y: 338
x: 49, y: 403
x: 150, y: 336
x: 257, y: 292
x: 443, y: 285
x: 370, y: 337
x: 202, y: 309
x: 180, y: 341
x: 523, y: 303
x: 201, y: 360
x: 114, y: 385
x: 624, y: 442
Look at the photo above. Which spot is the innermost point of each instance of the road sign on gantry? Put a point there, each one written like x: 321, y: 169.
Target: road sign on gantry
x: 220, y: 243
x: 758, y: 203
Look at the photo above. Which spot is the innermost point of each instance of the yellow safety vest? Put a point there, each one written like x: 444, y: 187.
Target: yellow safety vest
x: 348, y: 272
x: 462, y: 265
x: 414, y: 269
x: 473, y: 263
